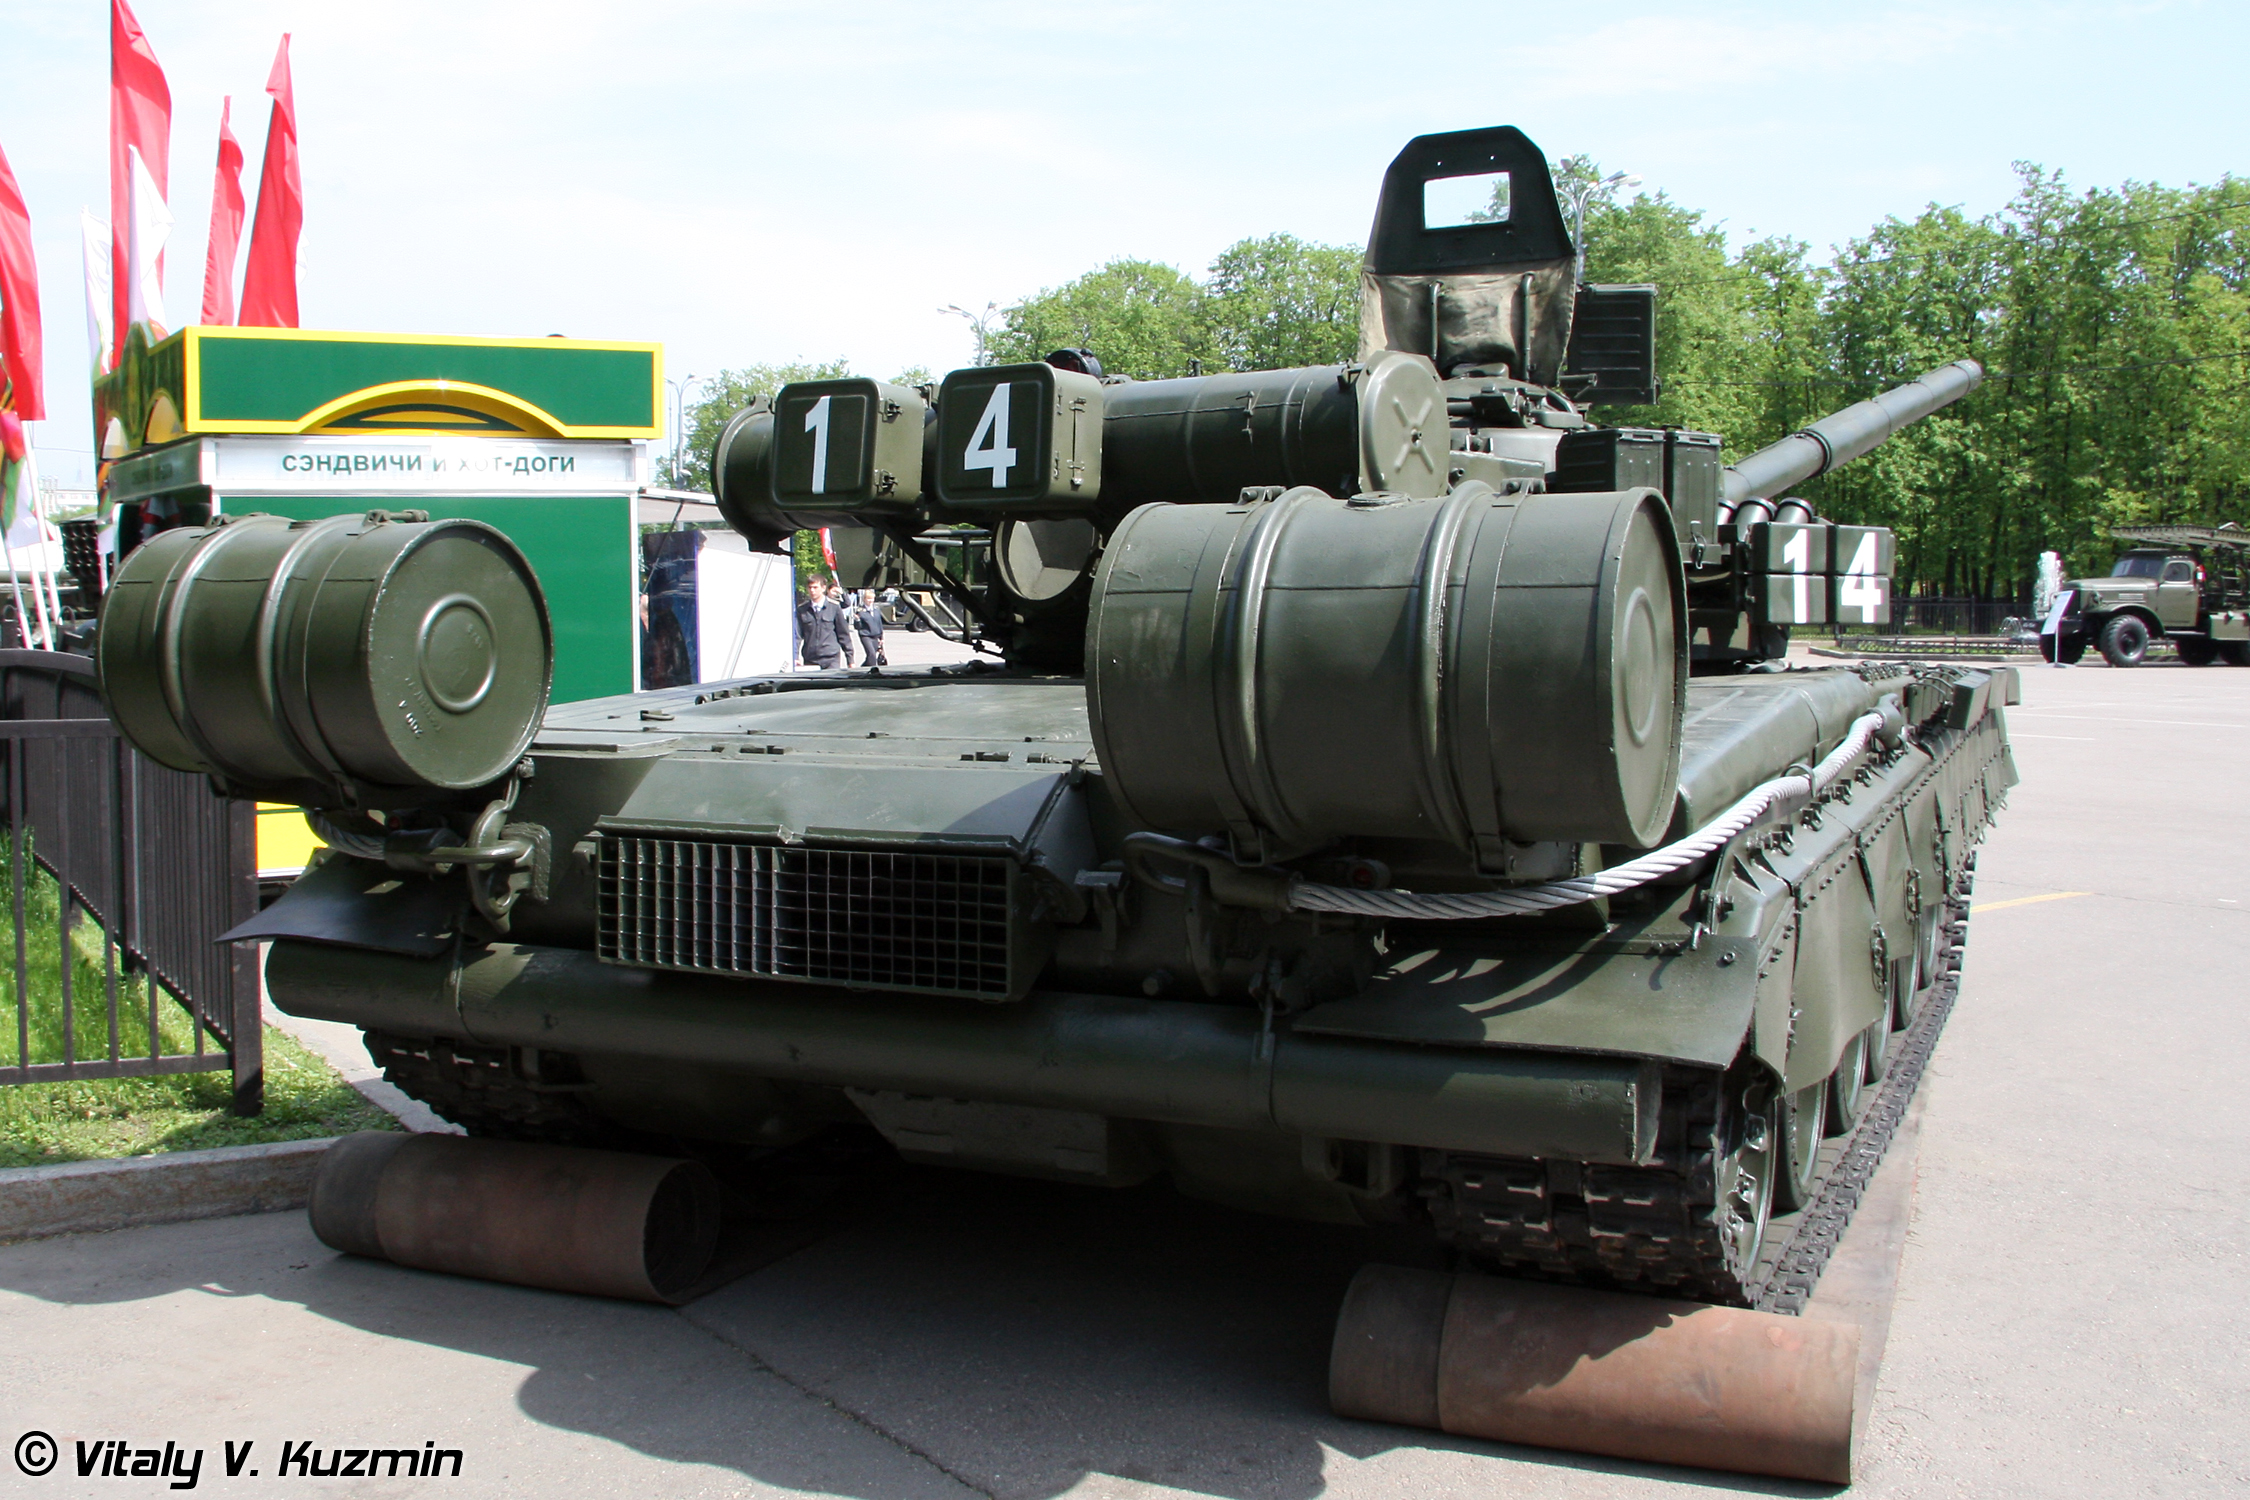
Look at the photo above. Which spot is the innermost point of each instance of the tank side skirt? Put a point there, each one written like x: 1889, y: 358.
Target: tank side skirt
x: 1652, y: 1225
x: 1796, y: 1263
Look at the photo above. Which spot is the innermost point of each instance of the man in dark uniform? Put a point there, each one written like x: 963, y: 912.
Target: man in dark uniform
x: 867, y: 620
x: 823, y: 638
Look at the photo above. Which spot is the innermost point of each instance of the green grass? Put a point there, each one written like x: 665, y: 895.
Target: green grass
x: 45, y: 1123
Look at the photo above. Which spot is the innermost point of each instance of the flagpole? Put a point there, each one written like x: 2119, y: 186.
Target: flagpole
x: 39, y: 514
x: 15, y: 581
x: 29, y: 504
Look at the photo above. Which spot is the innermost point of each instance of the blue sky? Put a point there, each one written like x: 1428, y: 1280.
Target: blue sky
x: 752, y: 181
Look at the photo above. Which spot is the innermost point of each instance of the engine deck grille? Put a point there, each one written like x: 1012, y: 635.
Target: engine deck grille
x: 937, y: 923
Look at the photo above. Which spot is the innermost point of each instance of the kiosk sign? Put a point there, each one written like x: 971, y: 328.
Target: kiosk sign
x: 411, y: 465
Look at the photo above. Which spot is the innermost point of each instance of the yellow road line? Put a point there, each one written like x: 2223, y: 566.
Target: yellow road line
x: 2027, y: 900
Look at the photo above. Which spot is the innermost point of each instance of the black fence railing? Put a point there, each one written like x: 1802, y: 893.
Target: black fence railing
x: 1946, y: 615
x: 121, y: 874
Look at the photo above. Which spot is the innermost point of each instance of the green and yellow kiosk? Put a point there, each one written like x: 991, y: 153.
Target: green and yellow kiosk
x: 542, y: 437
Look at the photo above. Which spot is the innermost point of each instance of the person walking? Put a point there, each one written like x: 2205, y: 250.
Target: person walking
x: 867, y: 622
x: 823, y: 639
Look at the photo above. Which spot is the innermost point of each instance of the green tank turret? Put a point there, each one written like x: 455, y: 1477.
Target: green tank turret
x: 1363, y: 812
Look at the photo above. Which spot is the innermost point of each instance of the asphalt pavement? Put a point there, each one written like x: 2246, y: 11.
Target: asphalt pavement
x: 2069, y: 1315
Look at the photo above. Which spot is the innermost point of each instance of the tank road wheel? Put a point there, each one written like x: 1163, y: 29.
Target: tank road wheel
x: 1804, y: 1121
x: 1745, y: 1183
x: 1846, y: 1085
x: 1929, y: 938
x: 2196, y: 650
x: 2124, y: 641
x: 1879, y: 1034
x: 2237, y: 653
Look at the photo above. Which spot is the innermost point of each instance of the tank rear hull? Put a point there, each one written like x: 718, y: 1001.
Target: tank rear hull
x: 1615, y: 1044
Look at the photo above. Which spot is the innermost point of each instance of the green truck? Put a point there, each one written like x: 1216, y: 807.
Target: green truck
x: 2189, y: 585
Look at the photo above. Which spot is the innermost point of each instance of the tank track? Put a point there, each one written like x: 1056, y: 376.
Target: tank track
x: 506, y: 1093
x: 1651, y: 1228
x: 1794, y: 1264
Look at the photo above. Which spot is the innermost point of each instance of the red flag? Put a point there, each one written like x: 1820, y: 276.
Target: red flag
x: 269, y: 285
x: 140, y: 116
x: 19, y: 298
x: 226, y: 225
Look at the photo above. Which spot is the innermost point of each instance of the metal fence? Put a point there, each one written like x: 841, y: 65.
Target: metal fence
x: 1945, y: 615
x: 141, y: 868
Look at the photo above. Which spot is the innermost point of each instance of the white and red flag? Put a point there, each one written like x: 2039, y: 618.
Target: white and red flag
x: 140, y: 121
x: 269, y: 283
x: 101, y: 333
x: 226, y: 226
x: 20, y: 343
x: 148, y: 226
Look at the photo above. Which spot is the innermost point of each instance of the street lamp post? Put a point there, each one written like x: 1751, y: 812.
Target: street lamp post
x: 1578, y: 201
x: 977, y: 321
x: 679, y: 418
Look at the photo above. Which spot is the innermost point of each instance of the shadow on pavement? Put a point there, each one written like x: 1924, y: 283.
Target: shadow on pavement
x: 1018, y: 1336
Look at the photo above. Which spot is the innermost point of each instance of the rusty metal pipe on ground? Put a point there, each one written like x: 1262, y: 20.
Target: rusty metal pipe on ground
x: 1597, y: 1372
x: 605, y: 1223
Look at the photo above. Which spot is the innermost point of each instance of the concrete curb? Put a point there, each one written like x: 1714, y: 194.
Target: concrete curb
x: 87, y: 1197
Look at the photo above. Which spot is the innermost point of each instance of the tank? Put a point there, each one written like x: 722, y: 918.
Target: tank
x: 1378, y: 800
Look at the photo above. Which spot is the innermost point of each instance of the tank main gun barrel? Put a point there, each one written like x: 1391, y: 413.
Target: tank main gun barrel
x: 1840, y: 438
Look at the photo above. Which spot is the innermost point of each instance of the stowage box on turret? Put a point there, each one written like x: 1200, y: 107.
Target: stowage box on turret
x: 1379, y: 800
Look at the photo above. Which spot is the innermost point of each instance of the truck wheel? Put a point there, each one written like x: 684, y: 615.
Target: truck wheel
x: 2124, y: 641
x: 2067, y: 648
x: 2196, y: 650
x: 2237, y: 653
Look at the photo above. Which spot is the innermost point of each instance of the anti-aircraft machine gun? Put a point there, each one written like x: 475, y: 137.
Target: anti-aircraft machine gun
x: 1383, y: 805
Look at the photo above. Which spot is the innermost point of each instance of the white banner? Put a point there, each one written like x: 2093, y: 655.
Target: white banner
x: 410, y: 465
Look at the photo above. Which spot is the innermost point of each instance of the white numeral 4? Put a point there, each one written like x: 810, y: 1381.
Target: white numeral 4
x: 1861, y: 588
x: 988, y: 445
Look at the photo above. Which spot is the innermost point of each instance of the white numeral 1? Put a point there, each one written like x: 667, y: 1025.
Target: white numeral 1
x: 1797, y: 552
x: 988, y: 445
x: 816, y: 423
x: 1861, y: 588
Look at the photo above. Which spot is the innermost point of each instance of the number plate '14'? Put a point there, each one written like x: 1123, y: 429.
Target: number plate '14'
x: 1812, y: 573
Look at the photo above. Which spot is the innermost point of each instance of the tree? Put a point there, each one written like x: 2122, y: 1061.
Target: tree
x: 730, y: 391
x: 724, y: 394
x: 1139, y: 317
x: 1280, y: 301
x: 1269, y: 303
x: 2114, y: 324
